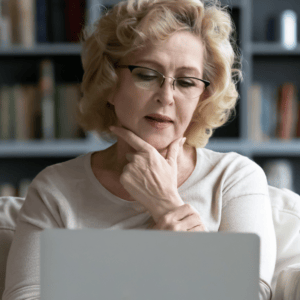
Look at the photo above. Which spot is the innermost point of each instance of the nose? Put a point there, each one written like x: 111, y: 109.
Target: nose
x: 166, y: 90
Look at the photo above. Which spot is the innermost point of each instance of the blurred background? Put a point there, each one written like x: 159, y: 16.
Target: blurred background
x: 41, y: 71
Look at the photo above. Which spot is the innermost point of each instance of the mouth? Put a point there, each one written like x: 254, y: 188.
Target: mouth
x: 158, y: 120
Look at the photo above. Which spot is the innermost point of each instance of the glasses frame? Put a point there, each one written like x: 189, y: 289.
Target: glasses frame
x: 132, y: 67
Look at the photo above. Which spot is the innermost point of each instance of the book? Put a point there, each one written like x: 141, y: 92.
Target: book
x: 268, y: 114
x: 7, y: 113
x: 286, y: 111
x: 47, y: 93
x: 57, y: 20
x: 27, y: 22
x: 254, y: 107
x: 7, y: 189
x: 42, y: 21
x: 5, y: 25
x: 27, y: 108
x: 74, y: 19
x: 298, y: 120
x: 67, y: 97
x: 14, y: 15
x: 4, y: 113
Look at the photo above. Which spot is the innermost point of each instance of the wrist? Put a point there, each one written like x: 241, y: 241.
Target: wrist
x: 166, y: 205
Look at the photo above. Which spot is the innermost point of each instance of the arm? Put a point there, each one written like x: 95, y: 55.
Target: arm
x: 22, y: 280
x: 247, y: 208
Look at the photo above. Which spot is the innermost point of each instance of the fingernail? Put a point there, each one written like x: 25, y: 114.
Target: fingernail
x: 183, y: 141
x: 112, y: 128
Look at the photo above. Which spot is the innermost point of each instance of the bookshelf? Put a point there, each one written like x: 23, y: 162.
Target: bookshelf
x: 261, y: 62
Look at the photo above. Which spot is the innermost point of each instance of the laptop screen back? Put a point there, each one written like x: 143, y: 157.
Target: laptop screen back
x: 148, y: 264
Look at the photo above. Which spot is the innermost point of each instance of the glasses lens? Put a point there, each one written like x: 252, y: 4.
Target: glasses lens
x: 189, y: 88
x: 146, y: 79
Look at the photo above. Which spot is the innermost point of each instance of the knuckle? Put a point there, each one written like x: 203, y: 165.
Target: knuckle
x: 188, y: 205
x: 176, y: 227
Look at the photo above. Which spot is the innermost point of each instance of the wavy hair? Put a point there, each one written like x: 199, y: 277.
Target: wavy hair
x: 127, y: 27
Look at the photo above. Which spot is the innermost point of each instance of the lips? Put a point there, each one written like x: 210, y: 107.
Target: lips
x: 159, y: 118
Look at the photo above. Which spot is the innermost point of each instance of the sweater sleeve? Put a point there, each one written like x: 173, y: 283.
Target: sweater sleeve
x: 247, y: 208
x: 22, y: 273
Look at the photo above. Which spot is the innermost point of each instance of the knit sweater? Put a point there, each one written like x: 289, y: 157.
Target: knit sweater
x: 229, y: 191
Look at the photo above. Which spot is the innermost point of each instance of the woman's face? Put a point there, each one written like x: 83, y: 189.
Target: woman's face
x: 179, y: 56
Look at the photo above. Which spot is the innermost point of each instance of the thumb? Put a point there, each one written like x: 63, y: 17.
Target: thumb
x: 174, y: 149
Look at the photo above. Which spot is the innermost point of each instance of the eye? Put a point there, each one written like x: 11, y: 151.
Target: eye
x: 144, y: 75
x: 186, y: 82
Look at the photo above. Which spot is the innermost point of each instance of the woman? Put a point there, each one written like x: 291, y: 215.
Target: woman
x: 157, y: 71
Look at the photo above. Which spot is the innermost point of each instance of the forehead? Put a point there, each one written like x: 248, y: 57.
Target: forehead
x: 181, y: 50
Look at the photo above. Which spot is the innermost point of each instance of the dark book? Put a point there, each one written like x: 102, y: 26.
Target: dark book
x: 57, y: 17
x: 272, y: 30
x: 42, y: 21
x: 74, y: 19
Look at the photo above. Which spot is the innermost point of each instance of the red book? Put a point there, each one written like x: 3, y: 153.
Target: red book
x: 285, y: 110
x: 74, y: 19
x: 298, y: 122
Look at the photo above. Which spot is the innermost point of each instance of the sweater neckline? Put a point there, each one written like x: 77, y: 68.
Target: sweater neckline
x: 120, y: 201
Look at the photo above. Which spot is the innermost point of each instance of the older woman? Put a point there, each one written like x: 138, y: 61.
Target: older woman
x: 158, y: 71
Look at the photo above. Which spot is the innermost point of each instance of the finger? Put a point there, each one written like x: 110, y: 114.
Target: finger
x: 174, y: 149
x: 178, y: 214
x: 131, y: 138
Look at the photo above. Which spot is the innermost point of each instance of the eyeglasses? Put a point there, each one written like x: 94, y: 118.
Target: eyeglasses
x: 149, y: 79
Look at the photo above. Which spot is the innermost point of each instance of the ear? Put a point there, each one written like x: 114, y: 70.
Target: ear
x: 111, y: 96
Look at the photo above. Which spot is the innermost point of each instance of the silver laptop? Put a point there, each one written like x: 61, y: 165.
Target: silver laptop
x: 148, y: 264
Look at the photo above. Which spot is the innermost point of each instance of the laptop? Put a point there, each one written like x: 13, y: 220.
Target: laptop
x: 148, y: 264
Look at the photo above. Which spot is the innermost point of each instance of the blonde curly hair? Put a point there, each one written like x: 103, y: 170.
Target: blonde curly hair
x: 127, y: 27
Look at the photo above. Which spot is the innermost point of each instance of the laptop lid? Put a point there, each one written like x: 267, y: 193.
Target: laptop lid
x: 148, y: 264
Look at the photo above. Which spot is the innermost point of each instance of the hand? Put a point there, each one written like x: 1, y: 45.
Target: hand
x: 182, y: 218
x: 150, y: 178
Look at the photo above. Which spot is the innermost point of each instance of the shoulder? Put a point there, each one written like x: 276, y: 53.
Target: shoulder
x: 61, y: 173
x: 230, y: 162
x: 237, y: 174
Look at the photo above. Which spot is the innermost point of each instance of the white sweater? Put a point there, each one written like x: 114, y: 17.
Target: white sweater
x: 229, y: 191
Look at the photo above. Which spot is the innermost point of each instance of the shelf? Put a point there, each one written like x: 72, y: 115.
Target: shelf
x: 43, y: 49
x: 275, y: 148
x: 271, y: 49
x: 74, y: 148
x: 51, y: 148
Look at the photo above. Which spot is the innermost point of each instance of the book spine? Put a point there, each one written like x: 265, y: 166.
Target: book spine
x: 20, y: 113
x: 298, y: 120
x: 5, y: 25
x: 12, y: 113
x: 8, y: 189
x: 27, y: 22
x: 14, y: 14
x: 4, y: 111
x: 254, y: 116
x: 42, y: 16
x: 57, y: 15
x: 285, y: 111
x: 74, y: 19
x: 47, y: 99
x: 32, y: 109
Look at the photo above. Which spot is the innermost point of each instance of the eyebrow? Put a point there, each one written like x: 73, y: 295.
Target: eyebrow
x: 188, y: 68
